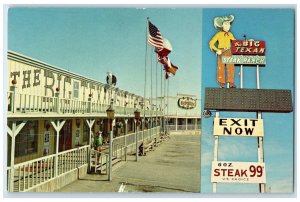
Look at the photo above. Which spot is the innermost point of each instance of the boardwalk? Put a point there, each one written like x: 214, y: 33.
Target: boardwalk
x: 174, y: 166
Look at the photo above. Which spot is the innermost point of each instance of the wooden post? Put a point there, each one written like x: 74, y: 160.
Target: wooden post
x: 89, y: 105
x: 13, y: 98
x: 13, y: 132
x: 57, y: 128
x: 126, y: 131
x: 57, y: 102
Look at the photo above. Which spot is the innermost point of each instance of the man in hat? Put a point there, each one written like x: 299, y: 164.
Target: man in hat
x: 223, y: 38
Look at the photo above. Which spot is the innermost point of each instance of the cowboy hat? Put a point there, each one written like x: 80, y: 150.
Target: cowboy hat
x: 218, y: 21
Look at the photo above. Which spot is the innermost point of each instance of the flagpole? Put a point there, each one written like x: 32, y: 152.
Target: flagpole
x: 145, y: 78
x: 156, y: 94
x: 164, y: 105
x: 168, y: 106
x: 151, y: 86
x: 161, y: 97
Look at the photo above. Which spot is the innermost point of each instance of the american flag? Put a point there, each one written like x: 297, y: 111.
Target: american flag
x: 154, y: 37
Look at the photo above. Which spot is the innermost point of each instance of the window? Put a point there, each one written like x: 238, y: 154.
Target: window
x: 27, y: 139
x: 75, y: 89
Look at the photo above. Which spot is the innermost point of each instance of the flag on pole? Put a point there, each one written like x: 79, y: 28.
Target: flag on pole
x: 168, y: 66
x: 154, y: 37
x: 162, y: 47
x: 167, y: 48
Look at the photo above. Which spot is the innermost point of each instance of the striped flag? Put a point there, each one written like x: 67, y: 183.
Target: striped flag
x: 168, y: 65
x: 154, y: 37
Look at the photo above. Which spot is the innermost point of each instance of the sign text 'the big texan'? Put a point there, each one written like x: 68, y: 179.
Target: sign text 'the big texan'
x: 247, y: 52
x: 248, y: 47
x: 238, y: 127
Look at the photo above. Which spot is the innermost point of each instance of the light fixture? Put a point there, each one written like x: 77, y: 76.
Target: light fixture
x: 110, y: 113
x: 137, y: 114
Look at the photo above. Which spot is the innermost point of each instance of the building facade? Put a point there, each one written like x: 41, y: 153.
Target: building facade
x: 51, y: 111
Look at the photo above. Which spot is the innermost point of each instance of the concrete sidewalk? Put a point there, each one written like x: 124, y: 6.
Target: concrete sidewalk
x: 174, y: 166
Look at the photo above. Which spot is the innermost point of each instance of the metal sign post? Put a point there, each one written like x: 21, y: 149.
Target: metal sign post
x: 216, y: 148
x: 262, y: 186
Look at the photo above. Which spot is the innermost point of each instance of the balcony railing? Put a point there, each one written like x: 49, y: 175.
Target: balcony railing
x: 24, y: 103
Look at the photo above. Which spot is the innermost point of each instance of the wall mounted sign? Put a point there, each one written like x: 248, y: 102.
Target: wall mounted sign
x: 77, y: 137
x: 46, y: 143
x: 238, y: 127
x: 238, y: 172
x: 187, y: 103
x: 248, y: 47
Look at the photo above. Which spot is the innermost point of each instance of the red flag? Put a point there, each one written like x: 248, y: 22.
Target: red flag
x: 167, y: 48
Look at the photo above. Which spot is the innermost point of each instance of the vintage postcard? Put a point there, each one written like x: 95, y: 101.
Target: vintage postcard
x: 138, y: 99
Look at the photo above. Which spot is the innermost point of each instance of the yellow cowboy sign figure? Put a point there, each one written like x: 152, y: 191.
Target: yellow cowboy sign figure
x: 223, y: 39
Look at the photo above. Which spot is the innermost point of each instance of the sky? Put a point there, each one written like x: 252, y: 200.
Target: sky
x: 92, y: 41
x: 276, y: 28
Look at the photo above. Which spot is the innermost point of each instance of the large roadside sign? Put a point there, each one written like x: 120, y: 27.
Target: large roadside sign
x: 238, y: 127
x: 238, y: 172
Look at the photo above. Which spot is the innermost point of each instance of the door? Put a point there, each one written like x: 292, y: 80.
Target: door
x: 65, y: 136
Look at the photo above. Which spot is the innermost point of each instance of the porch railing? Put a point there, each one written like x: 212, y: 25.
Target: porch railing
x: 130, y: 138
x: 30, y: 174
x: 184, y: 127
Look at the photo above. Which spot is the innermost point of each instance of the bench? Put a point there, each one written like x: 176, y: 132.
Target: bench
x: 164, y: 136
x: 157, y: 141
x: 145, y: 147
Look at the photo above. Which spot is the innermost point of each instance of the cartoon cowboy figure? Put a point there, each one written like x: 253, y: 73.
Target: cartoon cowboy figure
x: 223, y: 39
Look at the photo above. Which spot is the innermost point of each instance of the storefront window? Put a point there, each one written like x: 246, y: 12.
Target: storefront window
x: 27, y: 139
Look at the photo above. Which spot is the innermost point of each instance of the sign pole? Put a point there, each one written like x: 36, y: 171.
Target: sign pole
x: 260, y: 139
x: 216, y: 147
x: 241, y: 76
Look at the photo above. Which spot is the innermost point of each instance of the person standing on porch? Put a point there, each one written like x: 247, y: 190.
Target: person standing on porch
x: 223, y: 39
x: 98, y: 141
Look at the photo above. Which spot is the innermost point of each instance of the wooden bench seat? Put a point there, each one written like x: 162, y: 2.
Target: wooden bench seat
x: 145, y: 147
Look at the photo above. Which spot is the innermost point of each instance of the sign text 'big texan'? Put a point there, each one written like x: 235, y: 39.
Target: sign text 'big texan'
x: 238, y: 172
x: 248, y: 47
x: 247, y: 52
